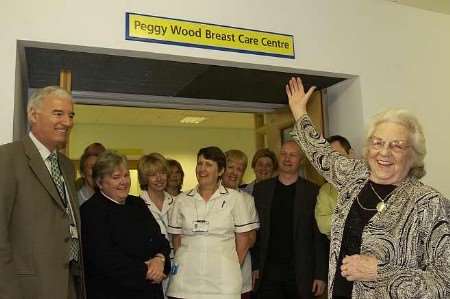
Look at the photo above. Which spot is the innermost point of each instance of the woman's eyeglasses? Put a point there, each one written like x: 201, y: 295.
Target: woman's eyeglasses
x: 397, y: 146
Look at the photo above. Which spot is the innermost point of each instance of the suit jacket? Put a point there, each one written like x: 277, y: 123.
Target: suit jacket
x: 34, y: 227
x: 310, y: 248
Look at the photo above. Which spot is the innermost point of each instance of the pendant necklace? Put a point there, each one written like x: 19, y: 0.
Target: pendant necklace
x: 381, y: 206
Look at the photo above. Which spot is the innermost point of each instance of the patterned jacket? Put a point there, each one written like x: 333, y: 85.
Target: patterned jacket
x: 410, y: 238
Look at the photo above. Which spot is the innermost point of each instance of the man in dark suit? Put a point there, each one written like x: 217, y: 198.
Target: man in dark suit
x: 39, y: 216
x: 289, y: 258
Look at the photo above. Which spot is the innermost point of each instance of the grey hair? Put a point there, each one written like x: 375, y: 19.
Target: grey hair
x: 40, y: 94
x: 106, y: 163
x: 416, y: 136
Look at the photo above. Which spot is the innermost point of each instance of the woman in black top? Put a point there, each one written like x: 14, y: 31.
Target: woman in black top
x: 126, y: 256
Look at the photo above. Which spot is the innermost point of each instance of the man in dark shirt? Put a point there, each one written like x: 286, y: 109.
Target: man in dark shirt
x: 290, y: 256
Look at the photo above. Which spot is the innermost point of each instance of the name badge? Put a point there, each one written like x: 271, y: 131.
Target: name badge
x: 73, y: 232
x: 200, y: 226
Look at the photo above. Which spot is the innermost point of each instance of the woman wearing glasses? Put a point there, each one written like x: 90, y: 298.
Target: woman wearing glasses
x: 391, y: 234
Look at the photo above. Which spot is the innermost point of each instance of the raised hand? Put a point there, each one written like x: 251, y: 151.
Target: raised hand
x: 297, y: 97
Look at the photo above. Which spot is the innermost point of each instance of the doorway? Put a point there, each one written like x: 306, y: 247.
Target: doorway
x: 102, y: 78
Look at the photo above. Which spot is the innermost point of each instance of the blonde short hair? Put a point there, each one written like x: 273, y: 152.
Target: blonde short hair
x: 416, y: 136
x: 236, y: 155
x: 148, y: 165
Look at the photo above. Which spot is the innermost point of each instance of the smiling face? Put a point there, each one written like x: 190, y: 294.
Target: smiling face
x: 157, y: 181
x: 207, y: 172
x: 264, y: 168
x: 52, y: 120
x: 117, y: 184
x: 233, y: 174
x: 290, y: 158
x: 389, y: 164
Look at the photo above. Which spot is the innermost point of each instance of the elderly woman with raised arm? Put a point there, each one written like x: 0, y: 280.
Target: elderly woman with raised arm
x: 390, y: 236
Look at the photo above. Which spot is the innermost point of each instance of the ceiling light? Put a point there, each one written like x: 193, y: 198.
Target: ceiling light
x: 192, y: 119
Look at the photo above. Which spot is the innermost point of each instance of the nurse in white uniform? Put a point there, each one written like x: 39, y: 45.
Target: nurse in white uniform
x: 232, y: 178
x: 152, y: 174
x: 210, y: 226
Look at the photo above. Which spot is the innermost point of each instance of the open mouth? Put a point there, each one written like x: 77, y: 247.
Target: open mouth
x: 61, y: 130
x: 384, y: 163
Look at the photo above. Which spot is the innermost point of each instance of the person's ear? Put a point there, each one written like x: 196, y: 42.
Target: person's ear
x: 32, y: 115
x: 98, y: 183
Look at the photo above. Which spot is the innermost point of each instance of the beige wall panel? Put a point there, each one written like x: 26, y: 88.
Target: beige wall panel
x: 181, y: 144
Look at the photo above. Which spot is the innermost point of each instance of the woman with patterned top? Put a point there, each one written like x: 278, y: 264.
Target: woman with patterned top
x: 390, y: 236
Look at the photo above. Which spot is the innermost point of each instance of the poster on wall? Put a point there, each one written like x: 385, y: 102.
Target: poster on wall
x: 154, y: 29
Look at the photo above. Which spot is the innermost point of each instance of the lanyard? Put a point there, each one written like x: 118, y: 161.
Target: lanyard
x: 208, y: 208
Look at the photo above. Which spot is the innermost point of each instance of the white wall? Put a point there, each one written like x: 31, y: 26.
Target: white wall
x: 399, y: 53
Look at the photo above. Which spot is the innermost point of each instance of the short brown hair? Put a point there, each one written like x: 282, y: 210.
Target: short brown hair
x: 265, y: 153
x: 215, y: 154
x: 175, y: 163
x: 93, y: 149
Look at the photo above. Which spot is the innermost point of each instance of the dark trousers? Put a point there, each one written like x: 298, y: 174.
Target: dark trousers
x: 246, y: 295
x: 278, y: 282
x: 278, y: 290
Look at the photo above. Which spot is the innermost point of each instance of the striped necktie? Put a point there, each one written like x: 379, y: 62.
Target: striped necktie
x: 59, y: 183
x: 57, y: 177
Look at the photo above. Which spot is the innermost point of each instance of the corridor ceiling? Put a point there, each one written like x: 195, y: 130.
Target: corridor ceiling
x: 130, y: 75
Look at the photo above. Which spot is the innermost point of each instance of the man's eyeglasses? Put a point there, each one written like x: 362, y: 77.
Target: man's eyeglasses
x: 397, y: 146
